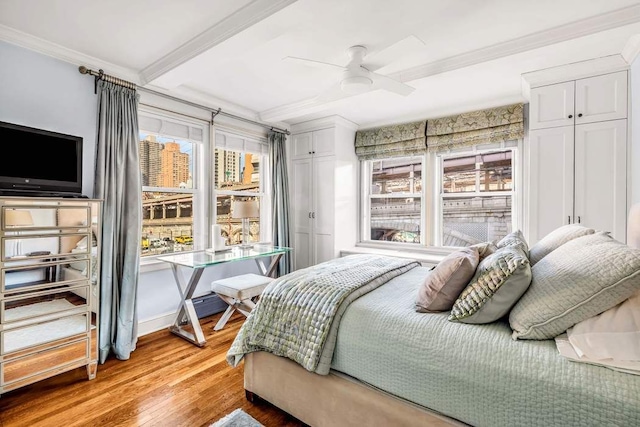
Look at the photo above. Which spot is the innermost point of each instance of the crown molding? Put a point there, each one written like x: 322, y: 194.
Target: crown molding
x: 631, y: 49
x: 324, y: 123
x: 233, y: 24
x: 559, y: 34
x: 45, y: 47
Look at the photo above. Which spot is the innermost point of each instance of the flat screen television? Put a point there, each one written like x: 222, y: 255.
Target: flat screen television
x: 39, y: 162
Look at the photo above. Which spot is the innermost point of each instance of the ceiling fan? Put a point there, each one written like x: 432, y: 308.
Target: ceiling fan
x: 357, y: 77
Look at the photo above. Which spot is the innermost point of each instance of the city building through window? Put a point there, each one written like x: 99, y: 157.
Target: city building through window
x: 167, y: 168
x: 237, y: 176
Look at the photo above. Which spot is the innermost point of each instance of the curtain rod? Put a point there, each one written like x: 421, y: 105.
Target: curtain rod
x: 100, y: 75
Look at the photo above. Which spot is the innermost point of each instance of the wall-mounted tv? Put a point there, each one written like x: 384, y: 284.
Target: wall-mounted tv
x: 39, y: 162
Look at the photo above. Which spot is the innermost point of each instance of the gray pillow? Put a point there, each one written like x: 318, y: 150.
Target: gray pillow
x: 514, y: 239
x: 579, y: 280
x: 555, y: 239
x: 499, y: 282
x: 443, y: 285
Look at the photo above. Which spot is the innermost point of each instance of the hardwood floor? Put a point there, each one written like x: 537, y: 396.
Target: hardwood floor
x: 167, y: 382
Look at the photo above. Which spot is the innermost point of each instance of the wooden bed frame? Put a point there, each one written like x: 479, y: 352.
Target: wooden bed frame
x: 337, y: 399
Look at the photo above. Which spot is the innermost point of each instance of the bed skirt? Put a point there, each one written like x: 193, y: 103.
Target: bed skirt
x: 330, y: 400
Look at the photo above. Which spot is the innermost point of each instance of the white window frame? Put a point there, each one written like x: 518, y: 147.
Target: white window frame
x: 431, y: 206
x: 264, y: 189
x: 366, y: 180
x: 200, y: 187
x: 515, y: 193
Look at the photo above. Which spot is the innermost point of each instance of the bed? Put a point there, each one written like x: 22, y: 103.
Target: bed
x: 394, y: 366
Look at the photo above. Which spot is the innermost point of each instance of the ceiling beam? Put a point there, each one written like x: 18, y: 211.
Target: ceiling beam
x: 240, y: 20
x: 559, y: 34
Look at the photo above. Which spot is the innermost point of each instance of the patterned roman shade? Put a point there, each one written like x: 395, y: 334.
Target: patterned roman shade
x: 478, y: 127
x: 406, y: 139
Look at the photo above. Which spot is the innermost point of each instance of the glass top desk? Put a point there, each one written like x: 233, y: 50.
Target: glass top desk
x: 198, y: 261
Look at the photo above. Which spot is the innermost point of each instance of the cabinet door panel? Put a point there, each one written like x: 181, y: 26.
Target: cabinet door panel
x: 551, y: 106
x: 301, y: 146
x: 323, y: 206
x: 323, y: 142
x: 601, y: 176
x: 302, y: 208
x: 601, y: 98
x: 551, y: 180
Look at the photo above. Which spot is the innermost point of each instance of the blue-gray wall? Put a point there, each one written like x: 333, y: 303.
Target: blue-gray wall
x: 46, y: 93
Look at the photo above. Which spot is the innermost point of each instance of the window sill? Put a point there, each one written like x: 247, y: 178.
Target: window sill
x: 428, y: 255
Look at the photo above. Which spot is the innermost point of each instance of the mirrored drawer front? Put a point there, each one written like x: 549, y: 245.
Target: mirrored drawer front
x: 45, y: 275
x: 27, y: 217
x: 42, y: 333
x: 20, y: 248
x: 44, y: 303
x: 43, y: 361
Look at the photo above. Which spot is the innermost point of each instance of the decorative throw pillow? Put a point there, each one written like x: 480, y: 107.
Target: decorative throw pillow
x: 499, y: 282
x: 579, y: 280
x: 485, y: 249
x: 555, y: 239
x: 441, y: 288
x: 514, y: 239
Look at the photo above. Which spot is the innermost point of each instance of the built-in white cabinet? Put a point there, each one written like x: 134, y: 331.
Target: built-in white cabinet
x: 577, y: 165
x: 324, y: 190
x: 588, y: 100
x: 316, y: 143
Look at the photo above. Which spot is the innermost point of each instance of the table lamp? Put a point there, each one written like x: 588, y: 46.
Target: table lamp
x: 18, y: 218
x: 244, y: 210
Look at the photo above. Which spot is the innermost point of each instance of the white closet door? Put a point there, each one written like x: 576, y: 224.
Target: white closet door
x: 551, y: 180
x: 601, y: 98
x: 301, y: 146
x: 601, y: 176
x: 302, y: 212
x: 324, y: 208
x: 324, y: 142
x: 551, y: 106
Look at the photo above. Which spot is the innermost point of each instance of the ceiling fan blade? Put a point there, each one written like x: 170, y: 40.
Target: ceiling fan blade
x: 392, y: 85
x: 312, y: 63
x: 390, y: 53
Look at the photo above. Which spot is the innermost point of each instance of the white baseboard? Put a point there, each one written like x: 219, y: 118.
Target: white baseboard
x: 155, y: 324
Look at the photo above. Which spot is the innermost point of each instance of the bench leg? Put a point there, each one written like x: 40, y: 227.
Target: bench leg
x: 225, y: 317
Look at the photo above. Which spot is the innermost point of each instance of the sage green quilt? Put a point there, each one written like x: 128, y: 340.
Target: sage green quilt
x: 475, y: 373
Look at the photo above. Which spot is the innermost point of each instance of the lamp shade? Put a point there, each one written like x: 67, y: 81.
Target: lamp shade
x: 17, y: 217
x: 244, y: 209
x: 633, y: 227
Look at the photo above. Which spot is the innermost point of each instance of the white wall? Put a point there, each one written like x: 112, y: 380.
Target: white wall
x: 46, y: 93
x: 635, y: 132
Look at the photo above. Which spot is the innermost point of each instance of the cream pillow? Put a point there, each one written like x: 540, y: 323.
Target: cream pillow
x: 614, y: 334
x: 555, y: 239
x: 485, y: 249
x: 443, y: 285
x: 515, y: 238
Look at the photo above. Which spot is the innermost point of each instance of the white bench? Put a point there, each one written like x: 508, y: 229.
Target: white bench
x: 240, y: 293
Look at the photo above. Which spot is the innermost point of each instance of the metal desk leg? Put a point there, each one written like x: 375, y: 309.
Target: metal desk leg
x: 268, y: 271
x: 187, y: 313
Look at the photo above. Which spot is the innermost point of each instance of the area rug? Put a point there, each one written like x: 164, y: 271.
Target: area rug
x: 237, y: 418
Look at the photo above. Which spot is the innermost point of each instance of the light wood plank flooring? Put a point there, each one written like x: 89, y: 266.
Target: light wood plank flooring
x: 167, y: 382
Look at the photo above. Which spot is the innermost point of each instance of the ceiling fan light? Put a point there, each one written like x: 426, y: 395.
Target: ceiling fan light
x: 356, y: 84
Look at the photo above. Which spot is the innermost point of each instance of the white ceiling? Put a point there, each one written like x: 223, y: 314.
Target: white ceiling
x: 238, y: 60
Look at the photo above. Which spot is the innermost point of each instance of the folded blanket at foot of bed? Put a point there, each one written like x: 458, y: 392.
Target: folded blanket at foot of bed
x: 298, y: 314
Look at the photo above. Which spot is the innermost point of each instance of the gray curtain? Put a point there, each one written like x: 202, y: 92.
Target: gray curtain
x: 117, y: 183
x: 280, y: 197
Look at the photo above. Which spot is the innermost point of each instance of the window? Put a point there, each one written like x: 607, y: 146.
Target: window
x: 395, y: 199
x: 239, y: 175
x: 476, y: 197
x: 168, y: 193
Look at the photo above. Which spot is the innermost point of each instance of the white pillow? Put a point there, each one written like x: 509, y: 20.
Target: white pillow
x: 613, y: 334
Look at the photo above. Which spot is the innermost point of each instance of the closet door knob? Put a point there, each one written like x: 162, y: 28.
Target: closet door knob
x: 571, y: 116
x: 313, y: 215
x: 579, y: 114
x: 309, y: 214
